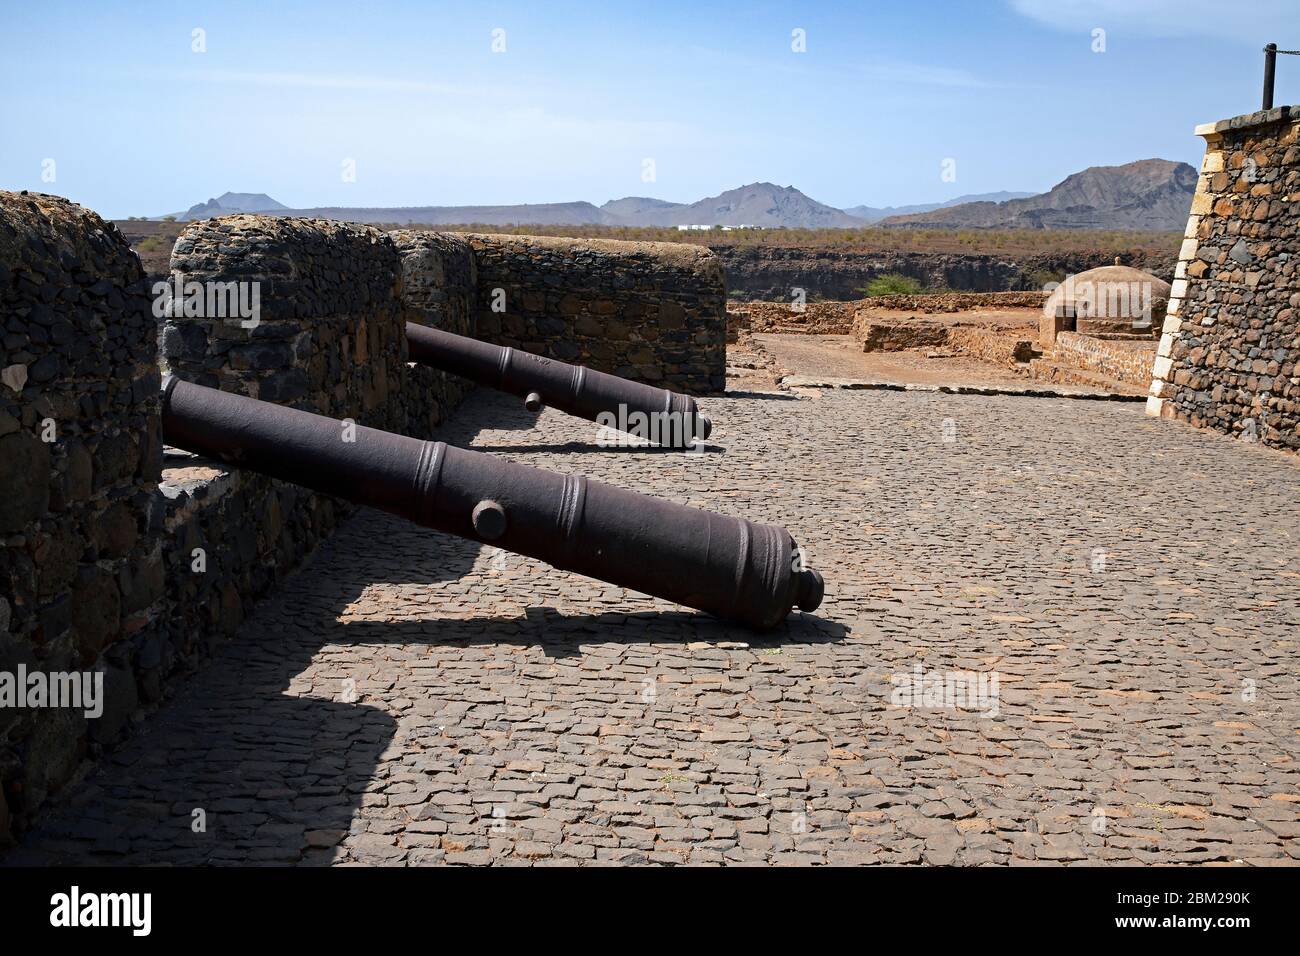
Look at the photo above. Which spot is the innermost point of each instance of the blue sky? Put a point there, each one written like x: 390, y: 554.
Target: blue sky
x: 138, y: 123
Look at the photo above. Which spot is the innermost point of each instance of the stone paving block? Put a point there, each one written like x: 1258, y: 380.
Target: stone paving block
x: 510, y: 714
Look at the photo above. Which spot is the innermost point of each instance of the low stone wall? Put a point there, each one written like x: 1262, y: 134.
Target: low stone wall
x: 329, y: 333
x: 1229, y: 358
x: 113, y: 565
x: 997, y: 337
x: 882, y: 335
x: 1125, y: 361
x: 439, y: 289
x: 650, y: 311
x: 81, y: 573
x: 995, y: 346
x: 957, y: 301
x: 814, y: 318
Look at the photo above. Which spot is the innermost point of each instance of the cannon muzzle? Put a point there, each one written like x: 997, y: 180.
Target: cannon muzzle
x: 726, y: 566
x: 656, y: 414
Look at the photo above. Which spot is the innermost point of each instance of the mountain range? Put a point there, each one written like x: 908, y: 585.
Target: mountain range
x: 1150, y: 194
x: 877, y: 213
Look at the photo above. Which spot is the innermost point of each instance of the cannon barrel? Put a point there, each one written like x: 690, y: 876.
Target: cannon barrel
x: 664, y: 417
x: 726, y: 566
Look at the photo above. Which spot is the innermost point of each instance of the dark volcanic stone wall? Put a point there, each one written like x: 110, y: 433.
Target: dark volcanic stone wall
x: 119, y: 559
x: 331, y: 339
x: 81, y: 572
x: 1229, y: 358
x: 650, y: 311
x: 330, y: 335
x: 439, y: 288
x: 439, y: 279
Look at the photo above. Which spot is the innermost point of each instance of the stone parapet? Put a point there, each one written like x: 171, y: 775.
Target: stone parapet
x: 81, y: 573
x: 650, y: 311
x: 1229, y: 355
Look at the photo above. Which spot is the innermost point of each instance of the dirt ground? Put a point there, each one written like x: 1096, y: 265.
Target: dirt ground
x: 840, y: 356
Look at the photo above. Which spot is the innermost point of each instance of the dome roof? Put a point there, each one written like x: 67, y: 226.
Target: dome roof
x: 1104, y: 288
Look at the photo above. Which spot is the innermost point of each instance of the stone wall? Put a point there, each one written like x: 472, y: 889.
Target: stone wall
x: 121, y: 562
x: 329, y: 332
x: 650, y: 311
x: 81, y: 574
x: 439, y: 279
x: 129, y: 562
x: 814, y: 318
x: 771, y: 273
x: 1124, y: 360
x: 334, y: 302
x: 1229, y: 356
x: 930, y: 302
x: 440, y: 289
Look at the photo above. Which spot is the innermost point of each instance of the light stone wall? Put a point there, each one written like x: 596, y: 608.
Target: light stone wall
x: 1229, y: 354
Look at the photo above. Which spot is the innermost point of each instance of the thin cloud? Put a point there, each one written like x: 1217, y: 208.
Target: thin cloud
x: 1264, y: 20
x: 315, y: 81
x: 921, y: 74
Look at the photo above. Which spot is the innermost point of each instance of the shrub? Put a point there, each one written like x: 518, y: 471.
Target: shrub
x: 891, y: 283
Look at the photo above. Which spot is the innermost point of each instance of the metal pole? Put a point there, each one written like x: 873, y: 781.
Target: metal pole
x: 1270, y: 62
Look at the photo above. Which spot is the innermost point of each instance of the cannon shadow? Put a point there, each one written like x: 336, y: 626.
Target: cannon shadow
x: 266, y: 756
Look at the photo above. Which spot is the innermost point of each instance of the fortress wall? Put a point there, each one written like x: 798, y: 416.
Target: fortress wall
x: 439, y: 289
x: 124, y: 562
x: 81, y: 572
x: 650, y: 311
x: 330, y: 338
x: 1122, y: 360
x: 1229, y: 358
x: 117, y: 561
x: 329, y: 333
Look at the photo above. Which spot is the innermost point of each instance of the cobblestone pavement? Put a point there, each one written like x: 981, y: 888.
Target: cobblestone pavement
x: 1146, y: 705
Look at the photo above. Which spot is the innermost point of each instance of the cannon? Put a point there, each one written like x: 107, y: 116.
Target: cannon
x: 726, y: 566
x: 656, y: 414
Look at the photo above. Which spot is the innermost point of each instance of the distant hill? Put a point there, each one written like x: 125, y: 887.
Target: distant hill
x: 877, y: 213
x: 641, y: 210
x: 540, y: 214
x: 1150, y: 194
x: 228, y: 203
x: 758, y: 204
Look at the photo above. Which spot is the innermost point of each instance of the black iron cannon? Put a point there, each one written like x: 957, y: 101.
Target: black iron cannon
x: 726, y: 566
x: 656, y: 414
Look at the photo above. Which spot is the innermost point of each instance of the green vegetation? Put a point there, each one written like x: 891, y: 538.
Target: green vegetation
x: 1041, y: 277
x: 891, y: 283
x: 152, y: 244
x: 1009, y: 242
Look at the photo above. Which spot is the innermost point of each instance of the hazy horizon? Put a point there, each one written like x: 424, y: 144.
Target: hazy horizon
x: 141, y: 115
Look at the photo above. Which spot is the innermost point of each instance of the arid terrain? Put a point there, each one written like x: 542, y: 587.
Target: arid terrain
x: 834, y: 264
